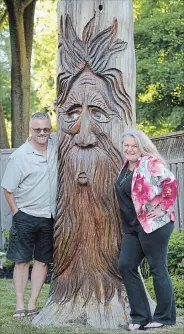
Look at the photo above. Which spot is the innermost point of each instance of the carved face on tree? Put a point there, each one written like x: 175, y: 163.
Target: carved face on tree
x: 92, y: 106
x: 88, y: 111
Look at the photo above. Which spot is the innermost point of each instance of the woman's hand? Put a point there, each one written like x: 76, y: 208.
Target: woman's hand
x: 156, y: 212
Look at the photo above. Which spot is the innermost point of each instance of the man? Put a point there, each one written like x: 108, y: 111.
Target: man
x: 29, y: 183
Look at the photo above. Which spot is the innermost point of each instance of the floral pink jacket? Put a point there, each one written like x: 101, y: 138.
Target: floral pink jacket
x: 154, y: 190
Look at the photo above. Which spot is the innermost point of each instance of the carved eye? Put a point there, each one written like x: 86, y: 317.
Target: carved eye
x: 72, y: 116
x: 98, y: 115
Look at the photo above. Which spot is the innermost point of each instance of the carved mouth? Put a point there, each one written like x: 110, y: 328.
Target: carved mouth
x: 82, y: 178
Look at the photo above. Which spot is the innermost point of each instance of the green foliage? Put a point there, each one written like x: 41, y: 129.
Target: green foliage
x: 5, y: 69
x: 155, y: 129
x: 178, y: 285
x: 6, y: 262
x: 145, y: 270
x: 175, y: 256
x: 159, y: 53
x: 44, y: 57
x: 6, y: 235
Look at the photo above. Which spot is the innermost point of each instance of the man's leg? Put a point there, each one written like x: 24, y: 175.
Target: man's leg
x: 38, y: 276
x: 20, y: 278
x: 20, y: 251
x: 42, y: 255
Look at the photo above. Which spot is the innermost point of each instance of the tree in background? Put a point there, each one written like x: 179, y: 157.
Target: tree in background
x: 4, y: 76
x: 21, y: 22
x: 43, y: 92
x: 159, y: 47
x: 43, y: 68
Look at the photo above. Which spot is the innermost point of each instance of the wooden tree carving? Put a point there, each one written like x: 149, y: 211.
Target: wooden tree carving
x: 93, y: 109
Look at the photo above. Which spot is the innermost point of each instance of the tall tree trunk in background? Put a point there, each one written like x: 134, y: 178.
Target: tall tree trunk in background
x: 21, y: 22
x: 3, y: 133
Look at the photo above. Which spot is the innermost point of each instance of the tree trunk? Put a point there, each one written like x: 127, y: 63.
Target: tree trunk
x: 82, y: 11
x: 96, y: 95
x: 21, y: 21
x: 3, y: 133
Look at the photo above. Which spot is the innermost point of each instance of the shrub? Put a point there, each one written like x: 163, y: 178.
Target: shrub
x: 175, y: 256
x: 178, y: 285
x: 6, y: 236
x: 176, y: 253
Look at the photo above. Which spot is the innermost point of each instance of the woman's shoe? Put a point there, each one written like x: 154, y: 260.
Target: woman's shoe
x: 135, y: 327
x: 153, y: 325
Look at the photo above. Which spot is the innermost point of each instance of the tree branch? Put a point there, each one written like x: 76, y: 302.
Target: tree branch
x: 26, y: 3
x: 3, y: 19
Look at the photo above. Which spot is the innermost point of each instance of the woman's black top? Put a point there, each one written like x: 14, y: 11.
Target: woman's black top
x: 127, y: 210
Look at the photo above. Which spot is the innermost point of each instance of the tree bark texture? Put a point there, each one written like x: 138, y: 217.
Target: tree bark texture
x: 95, y: 99
x: 3, y: 133
x: 21, y: 22
x: 105, y: 12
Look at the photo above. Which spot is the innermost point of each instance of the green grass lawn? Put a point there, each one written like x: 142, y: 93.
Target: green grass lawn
x: 8, y: 325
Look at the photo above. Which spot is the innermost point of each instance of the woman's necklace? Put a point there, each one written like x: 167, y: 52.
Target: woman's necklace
x: 127, y: 174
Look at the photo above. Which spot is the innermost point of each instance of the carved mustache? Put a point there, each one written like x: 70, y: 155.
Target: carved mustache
x: 42, y: 136
x: 83, y: 162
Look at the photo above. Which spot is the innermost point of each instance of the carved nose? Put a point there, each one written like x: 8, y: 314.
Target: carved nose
x: 85, y: 137
x: 85, y: 140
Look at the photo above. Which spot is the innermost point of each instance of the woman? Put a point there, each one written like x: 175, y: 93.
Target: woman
x: 146, y: 192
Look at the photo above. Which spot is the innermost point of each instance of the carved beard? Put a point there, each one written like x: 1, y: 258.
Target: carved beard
x: 87, y: 235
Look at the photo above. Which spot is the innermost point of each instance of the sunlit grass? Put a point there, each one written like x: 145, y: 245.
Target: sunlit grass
x: 8, y: 325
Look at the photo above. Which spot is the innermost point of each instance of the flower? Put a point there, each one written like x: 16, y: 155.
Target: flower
x: 166, y: 204
x: 154, y: 167
x: 144, y: 221
x: 142, y: 190
x: 169, y: 188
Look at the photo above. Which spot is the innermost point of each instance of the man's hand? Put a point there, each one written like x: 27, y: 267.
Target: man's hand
x: 15, y: 212
x: 11, y: 201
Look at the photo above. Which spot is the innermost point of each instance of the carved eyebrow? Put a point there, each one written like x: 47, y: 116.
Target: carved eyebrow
x: 97, y: 107
x: 74, y: 106
x: 101, y: 103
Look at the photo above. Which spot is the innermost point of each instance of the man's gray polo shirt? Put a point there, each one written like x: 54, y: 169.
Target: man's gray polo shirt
x: 33, y: 179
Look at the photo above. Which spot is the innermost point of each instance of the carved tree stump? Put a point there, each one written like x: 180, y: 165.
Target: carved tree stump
x: 95, y: 103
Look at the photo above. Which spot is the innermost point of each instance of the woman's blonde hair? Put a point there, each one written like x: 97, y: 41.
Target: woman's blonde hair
x: 143, y: 142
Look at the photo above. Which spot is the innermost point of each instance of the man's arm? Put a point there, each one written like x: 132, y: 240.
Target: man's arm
x: 11, y: 180
x: 11, y: 201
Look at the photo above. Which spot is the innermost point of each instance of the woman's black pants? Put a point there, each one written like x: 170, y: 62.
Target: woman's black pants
x: 153, y: 246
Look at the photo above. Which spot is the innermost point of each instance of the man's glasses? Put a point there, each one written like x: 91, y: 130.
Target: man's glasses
x: 45, y: 130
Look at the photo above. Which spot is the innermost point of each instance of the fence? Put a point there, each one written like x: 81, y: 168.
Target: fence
x: 5, y: 212
x: 171, y: 146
